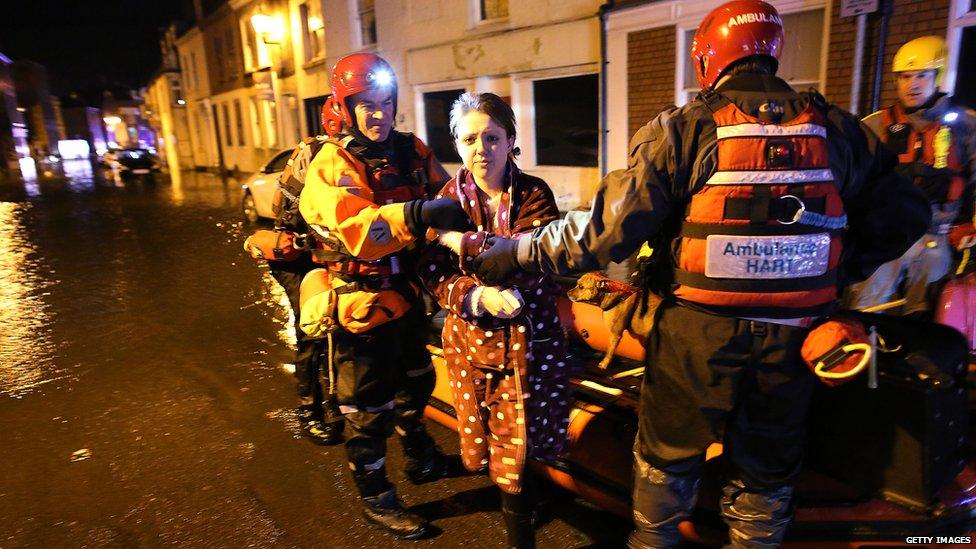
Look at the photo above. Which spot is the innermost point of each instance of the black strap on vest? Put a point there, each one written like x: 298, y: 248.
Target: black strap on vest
x: 774, y: 208
x: 698, y: 280
x: 704, y: 230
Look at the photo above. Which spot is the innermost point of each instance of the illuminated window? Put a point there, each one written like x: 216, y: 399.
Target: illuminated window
x: 193, y: 69
x: 493, y: 9
x: 566, y: 121
x: 799, y: 64
x: 313, y: 30
x: 227, y: 139
x: 239, y: 122
x: 367, y: 22
x: 437, y: 115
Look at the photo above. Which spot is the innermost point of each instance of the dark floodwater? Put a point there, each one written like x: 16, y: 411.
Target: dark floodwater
x: 96, y: 274
x: 145, y: 396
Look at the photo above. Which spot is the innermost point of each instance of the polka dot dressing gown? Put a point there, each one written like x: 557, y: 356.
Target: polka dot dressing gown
x: 509, y: 378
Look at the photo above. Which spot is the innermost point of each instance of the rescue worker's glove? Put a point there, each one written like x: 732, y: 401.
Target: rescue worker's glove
x: 445, y: 214
x: 498, y: 261
x: 963, y: 236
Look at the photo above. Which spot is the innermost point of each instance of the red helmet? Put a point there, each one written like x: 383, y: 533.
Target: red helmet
x: 358, y: 72
x: 331, y: 117
x: 732, y: 31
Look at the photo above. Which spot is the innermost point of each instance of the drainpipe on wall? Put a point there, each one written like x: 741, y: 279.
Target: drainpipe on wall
x: 604, y: 132
x: 886, y: 9
x: 856, y: 76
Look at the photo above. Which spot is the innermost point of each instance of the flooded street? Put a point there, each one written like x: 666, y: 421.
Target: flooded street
x: 145, y: 395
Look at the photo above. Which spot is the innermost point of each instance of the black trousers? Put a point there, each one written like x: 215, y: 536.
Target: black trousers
x: 385, y: 381
x: 709, y: 380
x: 730, y: 380
x: 309, y: 354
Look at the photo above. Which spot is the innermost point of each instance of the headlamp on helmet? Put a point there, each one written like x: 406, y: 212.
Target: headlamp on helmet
x: 359, y: 72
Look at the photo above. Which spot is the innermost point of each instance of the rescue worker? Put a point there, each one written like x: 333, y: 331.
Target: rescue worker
x: 935, y: 140
x: 318, y: 413
x: 764, y: 201
x: 365, y: 197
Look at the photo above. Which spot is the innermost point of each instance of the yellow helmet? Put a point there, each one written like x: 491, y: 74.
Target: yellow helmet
x: 920, y: 54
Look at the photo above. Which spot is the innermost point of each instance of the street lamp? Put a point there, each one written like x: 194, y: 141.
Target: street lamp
x: 269, y: 28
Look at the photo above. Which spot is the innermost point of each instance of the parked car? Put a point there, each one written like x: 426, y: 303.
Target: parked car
x: 882, y: 464
x: 259, y: 189
x: 130, y: 161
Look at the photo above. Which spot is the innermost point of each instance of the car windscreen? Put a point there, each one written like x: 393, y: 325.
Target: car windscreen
x: 278, y: 163
x: 134, y: 154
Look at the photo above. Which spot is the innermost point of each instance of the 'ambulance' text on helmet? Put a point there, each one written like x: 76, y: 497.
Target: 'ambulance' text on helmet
x: 733, y: 31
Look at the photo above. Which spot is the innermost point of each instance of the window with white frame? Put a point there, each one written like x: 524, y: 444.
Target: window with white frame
x: 313, y: 30
x: 267, y: 108
x: 962, y: 47
x: 239, y: 122
x: 255, y: 111
x: 489, y: 10
x: 226, y: 116
x: 965, y: 88
x: 799, y: 62
x: 187, y: 71
x: 567, y: 125
x: 366, y: 11
x: 437, y: 116
x: 193, y: 70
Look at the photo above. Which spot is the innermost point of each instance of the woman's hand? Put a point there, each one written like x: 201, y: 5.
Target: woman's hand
x: 452, y: 240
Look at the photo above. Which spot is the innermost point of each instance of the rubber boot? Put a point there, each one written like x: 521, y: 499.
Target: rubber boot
x: 387, y: 513
x: 757, y: 518
x: 517, y: 512
x: 424, y: 462
x: 316, y: 427
x: 333, y: 422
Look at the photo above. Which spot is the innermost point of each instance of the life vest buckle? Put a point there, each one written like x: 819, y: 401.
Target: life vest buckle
x: 799, y: 211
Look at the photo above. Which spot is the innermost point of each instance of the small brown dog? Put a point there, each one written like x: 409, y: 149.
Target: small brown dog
x: 620, y: 304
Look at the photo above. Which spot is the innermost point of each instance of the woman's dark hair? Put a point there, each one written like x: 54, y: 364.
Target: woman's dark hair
x: 754, y: 64
x: 495, y: 107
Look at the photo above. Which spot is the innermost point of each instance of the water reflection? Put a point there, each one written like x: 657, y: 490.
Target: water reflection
x: 80, y: 175
x: 25, y: 344
x: 99, y: 278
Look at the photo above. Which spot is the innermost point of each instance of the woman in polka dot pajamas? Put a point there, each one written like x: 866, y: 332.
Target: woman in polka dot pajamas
x: 504, y: 345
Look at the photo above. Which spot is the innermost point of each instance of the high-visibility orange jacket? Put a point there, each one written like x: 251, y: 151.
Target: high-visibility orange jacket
x: 359, y: 200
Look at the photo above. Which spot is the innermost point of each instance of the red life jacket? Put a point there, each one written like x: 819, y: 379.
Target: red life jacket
x: 934, y: 165
x: 750, y: 245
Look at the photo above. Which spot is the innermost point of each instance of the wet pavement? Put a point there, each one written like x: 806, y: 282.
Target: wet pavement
x: 145, y: 396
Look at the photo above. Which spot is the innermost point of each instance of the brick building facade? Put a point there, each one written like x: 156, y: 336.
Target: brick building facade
x: 650, y: 74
